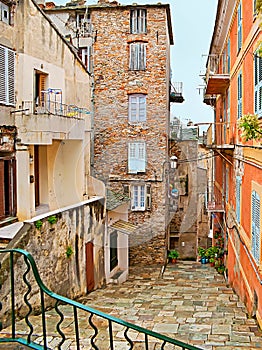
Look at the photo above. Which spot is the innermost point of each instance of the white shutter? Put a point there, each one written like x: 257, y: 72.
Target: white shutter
x: 7, y: 76
x: 3, y: 76
x: 136, y: 157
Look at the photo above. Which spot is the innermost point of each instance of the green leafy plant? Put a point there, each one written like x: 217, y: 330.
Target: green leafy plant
x: 38, y: 224
x: 201, y: 252
x: 52, y: 219
x: 249, y: 124
x: 173, y: 254
x: 69, y: 251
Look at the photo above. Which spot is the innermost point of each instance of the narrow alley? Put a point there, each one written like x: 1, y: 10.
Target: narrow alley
x: 191, y: 303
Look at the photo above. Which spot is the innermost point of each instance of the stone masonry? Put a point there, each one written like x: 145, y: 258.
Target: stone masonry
x: 114, y: 81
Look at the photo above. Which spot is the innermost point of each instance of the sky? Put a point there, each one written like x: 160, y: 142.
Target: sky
x: 192, y: 23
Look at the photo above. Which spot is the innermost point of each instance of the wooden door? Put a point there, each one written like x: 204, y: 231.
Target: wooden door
x: 90, y: 278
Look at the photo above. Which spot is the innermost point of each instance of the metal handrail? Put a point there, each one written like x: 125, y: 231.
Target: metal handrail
x: 61, y: 300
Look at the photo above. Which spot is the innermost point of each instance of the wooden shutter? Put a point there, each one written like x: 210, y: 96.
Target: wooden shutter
x: 239, y: 27
x: 7, y: 76
x: 238, y: 197
x: 255, y: 205
x: 148, y: 197
x: 239, y: 97
x: 42, y: 79
x: 136, y: 157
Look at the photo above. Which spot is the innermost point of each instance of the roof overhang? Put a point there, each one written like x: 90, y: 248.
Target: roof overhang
x: 123, y: 226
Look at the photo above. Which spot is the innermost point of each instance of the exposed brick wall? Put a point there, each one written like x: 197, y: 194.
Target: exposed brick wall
x: 113, y: 82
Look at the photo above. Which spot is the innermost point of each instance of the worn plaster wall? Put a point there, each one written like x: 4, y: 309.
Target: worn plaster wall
x: 75, y: 226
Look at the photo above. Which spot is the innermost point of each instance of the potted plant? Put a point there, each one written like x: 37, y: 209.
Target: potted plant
x: 202, y: 253
x: 173, y: 255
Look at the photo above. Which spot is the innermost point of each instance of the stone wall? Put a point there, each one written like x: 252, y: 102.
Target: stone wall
x: 59, y: 251
x: 113, y: 83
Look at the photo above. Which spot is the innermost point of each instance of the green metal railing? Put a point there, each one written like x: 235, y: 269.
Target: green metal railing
x: 96, y: 337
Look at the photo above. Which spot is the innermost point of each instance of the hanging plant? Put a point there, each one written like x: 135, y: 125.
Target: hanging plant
x: 249, y: 124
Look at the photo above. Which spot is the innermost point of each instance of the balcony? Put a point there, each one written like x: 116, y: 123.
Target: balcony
x: 217, y: 77
x: 214, y: 199
x: 51, y: 120
x: 176, y: 92
x: 222, y: 135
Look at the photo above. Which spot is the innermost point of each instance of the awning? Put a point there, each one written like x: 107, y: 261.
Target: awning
x: 123, y: 226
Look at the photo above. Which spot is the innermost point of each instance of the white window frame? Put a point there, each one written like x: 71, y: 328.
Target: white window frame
x: 137, y: 108
x: 138, y: 21
x: 257, y: 84
x: 255, y: 226
x: 136, y: 157
x: 137, y: 56
x: 140, y: 197
x: 7, y: 76
x: 86, y: 57
x: 4, y: 9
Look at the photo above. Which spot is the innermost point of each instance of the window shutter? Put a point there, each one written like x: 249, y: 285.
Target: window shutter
x: 228, y: 105
x: 239, y: 27
x: 256, y: 226
x: 11, y: 77
x: 3, y: 76
x: 238, y: 197
x: 148, y: 197
x: 42, y: 87
x: 228, y: 56
x: 239, y: 102
x: 136, y: 157
x: 132, y: 58
x: 7, y: 76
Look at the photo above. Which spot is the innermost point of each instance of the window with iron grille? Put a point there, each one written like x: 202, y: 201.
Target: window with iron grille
x: 138, y: 21
x: 258, y: 83
x: 255, y: 244
x: 7, y: 76
x: 137, y: 58
x: 136, y: 157
x: 137, y: 108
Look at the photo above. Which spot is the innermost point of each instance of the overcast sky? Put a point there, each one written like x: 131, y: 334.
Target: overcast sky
x: 192, y: 22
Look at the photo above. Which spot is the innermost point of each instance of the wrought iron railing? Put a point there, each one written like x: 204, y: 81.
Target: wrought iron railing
x: 54, y: 108
x: 91, y: 316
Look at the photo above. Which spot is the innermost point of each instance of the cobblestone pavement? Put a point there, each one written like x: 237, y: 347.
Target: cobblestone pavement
x: 191, y: 303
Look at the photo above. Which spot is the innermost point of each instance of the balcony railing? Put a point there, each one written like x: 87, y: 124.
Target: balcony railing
x: 54, y: 108
x: 86, y: 325
x: 176, y: 93
x: 217, y: 75
x: 214, y: 199
x: 222, y: 135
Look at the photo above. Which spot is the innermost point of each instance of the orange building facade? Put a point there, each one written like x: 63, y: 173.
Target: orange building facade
x: 234, y: 88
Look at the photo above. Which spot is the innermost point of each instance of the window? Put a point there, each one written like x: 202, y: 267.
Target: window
x: 228, y: 56
x: 136, y: 157
x: 4, y: 13
x: 239, y: 26
x: 238, y: 197
x: 140, y: 197
x: 138, y: 21
x: 255, y: 244
x: 137, y: 56
x: 228, y: 106
x: 239, y: 95
x: 85, y: 55
x: 137, y: 108
x: 7, y: 76
x: 227, y: 183
x: 258, y: 83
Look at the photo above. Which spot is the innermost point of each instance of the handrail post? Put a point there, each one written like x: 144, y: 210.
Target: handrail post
x: 12, y: 282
